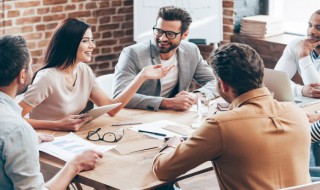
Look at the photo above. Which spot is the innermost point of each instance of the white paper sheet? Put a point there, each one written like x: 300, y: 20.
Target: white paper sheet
x: 157, y: 127
x: 67, y: 146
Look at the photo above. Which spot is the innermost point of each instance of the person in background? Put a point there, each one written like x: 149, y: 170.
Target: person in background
x: 19, y: 164
x: 248, y: 145
x: 61, y: 89
x: 168, y: 48
x: 304, y: 56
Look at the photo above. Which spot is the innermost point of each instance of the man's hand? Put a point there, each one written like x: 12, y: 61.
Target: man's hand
x: 306, y: 46
x: 313, y: 117
x: 44, y: 138
x: 156, y: 71
x: 174, y: 141
x: 85, y: 161
x: 72, y: 123
x: 181, y: 102
x: 311, y: 90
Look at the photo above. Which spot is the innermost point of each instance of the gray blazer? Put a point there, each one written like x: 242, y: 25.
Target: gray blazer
x: 190, y: 66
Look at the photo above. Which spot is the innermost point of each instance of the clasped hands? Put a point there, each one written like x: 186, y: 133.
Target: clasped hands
x: 181, y: 101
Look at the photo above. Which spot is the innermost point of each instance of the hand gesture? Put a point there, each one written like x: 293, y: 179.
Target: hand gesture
x: 156, y: 71
x: 72, y: 123
x: 306, y: 46
x: 311, y: 90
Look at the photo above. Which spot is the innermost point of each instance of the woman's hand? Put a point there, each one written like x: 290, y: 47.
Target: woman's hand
x: 156, y: 71
x: 72, y: 123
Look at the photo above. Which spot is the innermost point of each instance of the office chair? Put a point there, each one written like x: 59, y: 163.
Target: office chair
x: 106, y: 82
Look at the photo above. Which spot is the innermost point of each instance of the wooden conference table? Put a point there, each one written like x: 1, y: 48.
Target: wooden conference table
x: 131, y: 171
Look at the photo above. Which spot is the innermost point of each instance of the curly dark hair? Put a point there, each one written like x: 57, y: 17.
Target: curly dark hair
x: 238, y: 65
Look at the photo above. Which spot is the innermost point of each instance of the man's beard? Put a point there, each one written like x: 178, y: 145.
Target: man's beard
x: 166, y: 50
x: 313, y: 38
x: 23, y: 90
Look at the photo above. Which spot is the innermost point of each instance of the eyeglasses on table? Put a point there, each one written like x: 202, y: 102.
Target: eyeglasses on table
x: 110, y: 137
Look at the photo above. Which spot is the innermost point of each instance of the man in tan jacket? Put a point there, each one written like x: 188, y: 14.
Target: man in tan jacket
x: 258, y: 144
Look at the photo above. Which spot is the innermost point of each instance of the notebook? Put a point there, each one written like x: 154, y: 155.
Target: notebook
x: 278, y: 83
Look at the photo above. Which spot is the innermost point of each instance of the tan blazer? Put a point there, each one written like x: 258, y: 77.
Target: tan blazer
x: 259, y: 144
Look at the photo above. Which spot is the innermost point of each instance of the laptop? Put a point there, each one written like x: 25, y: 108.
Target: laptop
x: 278, y: 82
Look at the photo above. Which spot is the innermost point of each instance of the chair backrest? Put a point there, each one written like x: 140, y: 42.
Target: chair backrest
x: 309, y: 186
x: 106, y: 82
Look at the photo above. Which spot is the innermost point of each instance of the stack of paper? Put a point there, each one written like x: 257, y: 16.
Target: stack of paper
x: 261, y: 26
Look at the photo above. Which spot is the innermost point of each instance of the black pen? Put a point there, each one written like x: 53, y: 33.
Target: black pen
x: 154, y: 133
x: 121, y: 124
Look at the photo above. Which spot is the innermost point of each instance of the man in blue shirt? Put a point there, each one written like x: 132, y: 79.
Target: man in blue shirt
x: 19, y: 161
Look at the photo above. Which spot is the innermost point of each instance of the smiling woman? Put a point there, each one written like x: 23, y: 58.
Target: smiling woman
x: 61, y: 89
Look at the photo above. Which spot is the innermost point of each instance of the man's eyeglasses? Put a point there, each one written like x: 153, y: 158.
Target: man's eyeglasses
x: 169, y: 34
x: 107, y: 137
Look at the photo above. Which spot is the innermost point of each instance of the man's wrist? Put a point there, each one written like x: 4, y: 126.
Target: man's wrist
x: 165, y: 146
x: 165, y: 103
x: 74, y: 167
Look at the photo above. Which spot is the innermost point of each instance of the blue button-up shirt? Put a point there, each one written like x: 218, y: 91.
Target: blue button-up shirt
x: 19, y: 155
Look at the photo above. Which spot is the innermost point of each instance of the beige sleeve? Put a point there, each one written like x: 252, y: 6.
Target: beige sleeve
x: 40, y: 89
x: 204, y: 145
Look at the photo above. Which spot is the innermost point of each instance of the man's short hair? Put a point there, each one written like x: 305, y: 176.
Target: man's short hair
x: 318, y: 11
x: 14, y: 56
x: 238, y: 65
x: 175, y: 13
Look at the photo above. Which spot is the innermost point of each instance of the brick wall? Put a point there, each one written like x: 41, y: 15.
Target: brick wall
x: 111, y: 21
x: 228, y: 19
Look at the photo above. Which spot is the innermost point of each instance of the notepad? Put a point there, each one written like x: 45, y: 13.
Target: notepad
x: 136, y: 146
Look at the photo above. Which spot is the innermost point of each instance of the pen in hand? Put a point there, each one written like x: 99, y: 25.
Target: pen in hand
x: 153, y: 133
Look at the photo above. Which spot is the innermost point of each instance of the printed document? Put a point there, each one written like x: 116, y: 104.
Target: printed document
x: 67, y: 146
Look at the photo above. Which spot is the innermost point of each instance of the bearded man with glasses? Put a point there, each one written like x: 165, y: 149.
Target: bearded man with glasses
x: 168, y: 48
